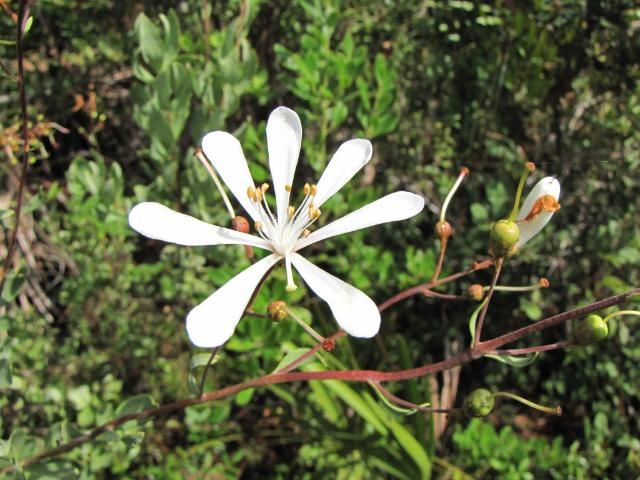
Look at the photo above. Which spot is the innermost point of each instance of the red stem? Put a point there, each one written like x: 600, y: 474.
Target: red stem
x: 349, y: 375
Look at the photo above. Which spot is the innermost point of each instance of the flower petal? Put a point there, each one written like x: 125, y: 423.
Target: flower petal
x: 345, y: 163
x: 355, y: 312
x: 211, y: 323
x: 528, y: 228
x: 156, y: 221
x: 284, y: 137
x: 225, y: 154
x: 393, y: 207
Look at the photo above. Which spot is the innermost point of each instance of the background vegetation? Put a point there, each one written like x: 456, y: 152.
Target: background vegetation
x: 120, y: 94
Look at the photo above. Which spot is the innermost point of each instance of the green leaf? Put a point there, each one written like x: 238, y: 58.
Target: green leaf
x: 52, y: 470
x: 479, y: 213
x: 474, y: 318
x: 5, y: 373
x: 135, y: 404
x: 244, y: 397
x: 292, y: 356
x: 151, y: 45
x: 12, y: 285
x: 201, y: 360
x: 413, y: 448
x: 21, y: 444
x: 355, y: 401
x: 28, y: 24
x: 518, y: 361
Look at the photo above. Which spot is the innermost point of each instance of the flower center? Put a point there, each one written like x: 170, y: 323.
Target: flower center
x: 282, y: 233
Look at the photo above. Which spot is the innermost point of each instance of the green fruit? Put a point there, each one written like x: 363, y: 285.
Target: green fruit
x: 479, y: 403
x: 503, y: 238
x: 590, y: 329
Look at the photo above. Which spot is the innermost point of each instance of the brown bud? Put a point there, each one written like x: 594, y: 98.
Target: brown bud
x: 277, y: 310
x: 475, y: 292
x: 328, y: 344
x: 240, y: 224
x: 443, y: 229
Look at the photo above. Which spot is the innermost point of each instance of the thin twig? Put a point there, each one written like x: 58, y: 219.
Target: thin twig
x: 206, y: 369
x: 420, y: 289
x: 22, y: 11
x: 312, y: 351
x: 485, y: 308
x: 443, y: 250
x: 405, y: 403
x: 535, y: 349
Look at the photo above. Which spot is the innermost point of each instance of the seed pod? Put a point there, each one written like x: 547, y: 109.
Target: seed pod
x: 503, y: 238
x: 475, y: 292
x: 443, y: 230
x: 590, y: 329
x: 479, y: 403
x: 277, y: 311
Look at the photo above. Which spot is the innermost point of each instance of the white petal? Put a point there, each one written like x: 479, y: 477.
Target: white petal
x: 156, y: 221
x: 225, y: 154
x: 546, y: 186
x: 345, y: 163
x: 356, y: 313
x: 211, y: 323
x: 393, y: 207
x: 284, y: 137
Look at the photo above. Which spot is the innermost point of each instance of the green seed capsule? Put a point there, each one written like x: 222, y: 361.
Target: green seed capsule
x: 590, y: 329
x: 503, y: 238
x: 479, y: 403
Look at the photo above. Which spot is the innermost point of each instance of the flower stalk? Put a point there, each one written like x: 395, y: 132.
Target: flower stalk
x: 557, y: 410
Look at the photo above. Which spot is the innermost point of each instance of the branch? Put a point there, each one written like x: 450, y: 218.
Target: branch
x: 347, y: 375
x: 425, y: 287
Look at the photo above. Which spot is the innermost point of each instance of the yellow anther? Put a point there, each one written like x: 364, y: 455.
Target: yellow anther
x: 314, y: 190
x: 311, y: 206
x: 291, y: 211
x: 258, y: 226
x: 306, y: 189
x: 287, y: 188
x: 259, y: 195
x: 251, y: 193
x: 306, y: 233
x: 314, y: 213
x: 264, y: 187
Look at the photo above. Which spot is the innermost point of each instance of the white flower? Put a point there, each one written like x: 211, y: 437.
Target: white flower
x: 284, y: 233
x: 538, y: 208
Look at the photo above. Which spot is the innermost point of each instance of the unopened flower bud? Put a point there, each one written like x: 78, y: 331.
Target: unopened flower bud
x: 590, y: 329
x: 443, y: 230
x: 277, y: 310
x: 328, y: 344
x: 475, y: 292
x: 503, y: 238
x: 479, y: 403
x: 240, y: 224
